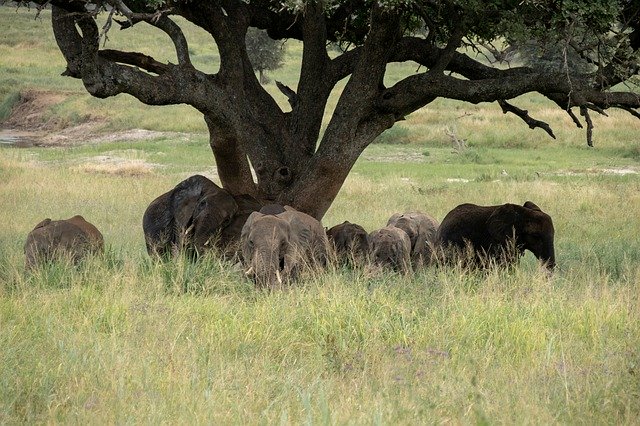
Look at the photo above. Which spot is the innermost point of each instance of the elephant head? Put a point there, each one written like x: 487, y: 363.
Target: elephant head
x: 421, y: 230
x: 229, y: 241
x: 73, y: 237
x: 390, y: 246
x: 190, y: 217
x: 276, y: 247
x: 499, y: 233
x: 530, y: 228
x: 350, y: 241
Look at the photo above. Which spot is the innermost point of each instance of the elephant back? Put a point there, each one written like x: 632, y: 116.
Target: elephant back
x: 350, y: 241
x: 310, y: 234
x: 422, y: 231
x: 391, y: 246
x: 51, y: 239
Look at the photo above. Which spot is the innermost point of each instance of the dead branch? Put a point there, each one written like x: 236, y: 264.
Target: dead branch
x: 459, y: 145
x: 584, y: 111
x: 524, y: 115
x: 631, y: 111
x: 574, y: 118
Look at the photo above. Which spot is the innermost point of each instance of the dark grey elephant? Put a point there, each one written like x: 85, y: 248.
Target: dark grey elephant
x: 391, y: 247
x: 350, y: 242
x: 195, y: 216
x: 72, y: 238
x: 276, y: 247
x: 421, y: 229
x: 497, y: 234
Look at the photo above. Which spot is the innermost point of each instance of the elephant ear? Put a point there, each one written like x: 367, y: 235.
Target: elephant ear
x: 43, y: 223
x: 219, y: 205
x: 184, y: 199
x: 300, y: 231
x: 393, y: 219
x: 532, y: 206
x: 246, y: 228
x: 502, y: 221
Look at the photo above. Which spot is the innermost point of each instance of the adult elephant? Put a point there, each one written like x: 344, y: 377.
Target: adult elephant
x: 51, y: 239
x: 421, y: 230
x: 275, y: 247
x: 350, y: 242
x: 195, y: 216
x: 497, y: 234
x: 391, y: 247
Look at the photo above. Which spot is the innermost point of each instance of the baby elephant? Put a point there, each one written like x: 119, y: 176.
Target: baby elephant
x: 350, y: 241
x: 421, y: 229
x: 391, y: 247
x: 51, y: 239
x: 498, y: 234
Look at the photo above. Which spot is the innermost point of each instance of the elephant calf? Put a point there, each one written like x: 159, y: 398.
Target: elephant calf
x: 421, y: 229
x: 73, y: 238
x: 275, y: 247
x: 391, y: 247
x: 497, y: 234
x: 350, y: 242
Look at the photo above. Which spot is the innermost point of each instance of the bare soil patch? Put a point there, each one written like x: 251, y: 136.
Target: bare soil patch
x: 113, y: 165
x: 31, y: 124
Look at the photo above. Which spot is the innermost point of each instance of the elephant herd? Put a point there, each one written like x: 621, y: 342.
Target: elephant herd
x: 275, y: 243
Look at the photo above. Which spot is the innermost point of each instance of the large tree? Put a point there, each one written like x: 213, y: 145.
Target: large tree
x: 296, y: 163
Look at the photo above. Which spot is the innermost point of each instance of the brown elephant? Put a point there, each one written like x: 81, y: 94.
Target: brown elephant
x: 497, y: 234
x: 195, y: 216
x: 51, y: 239
x: 350, y: 242
x: 390, y: 247
x: 421, y: 229
x: 276, y: 247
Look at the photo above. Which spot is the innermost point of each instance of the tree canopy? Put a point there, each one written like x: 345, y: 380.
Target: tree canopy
x: 294, y: 161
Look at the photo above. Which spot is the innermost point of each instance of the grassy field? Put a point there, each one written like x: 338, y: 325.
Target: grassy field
x: 124, y: 340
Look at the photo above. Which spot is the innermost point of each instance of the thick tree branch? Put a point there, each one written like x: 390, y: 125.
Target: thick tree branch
x: 231, y: 159
x: 313, y: 86
x: 137, y: 59
x: 366, y: 80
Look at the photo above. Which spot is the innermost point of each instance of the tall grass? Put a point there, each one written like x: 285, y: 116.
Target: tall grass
x: 123, y: 339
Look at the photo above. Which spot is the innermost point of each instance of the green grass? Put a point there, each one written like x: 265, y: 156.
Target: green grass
x: 121, y: 339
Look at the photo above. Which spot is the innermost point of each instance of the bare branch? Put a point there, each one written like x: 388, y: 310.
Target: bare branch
x: 574, y: 118
x: 629, y: 110
x: 584, y: 111
x: 524, y: 115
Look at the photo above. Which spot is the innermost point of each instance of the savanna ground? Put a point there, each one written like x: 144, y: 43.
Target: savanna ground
x: 124, y: 340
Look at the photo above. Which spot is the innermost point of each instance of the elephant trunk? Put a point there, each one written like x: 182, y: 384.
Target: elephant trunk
x: 548, y: 256
x: 267, y: 270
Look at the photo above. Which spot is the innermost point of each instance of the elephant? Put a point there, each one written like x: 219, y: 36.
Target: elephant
x: 276, y: 247
x: 229, y: 240
x: 51, y: 239
x: 350, y: 242
x: 421, y: 229
x: 195, y: 216
x: 391, y: 247
x: 497, y: 234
